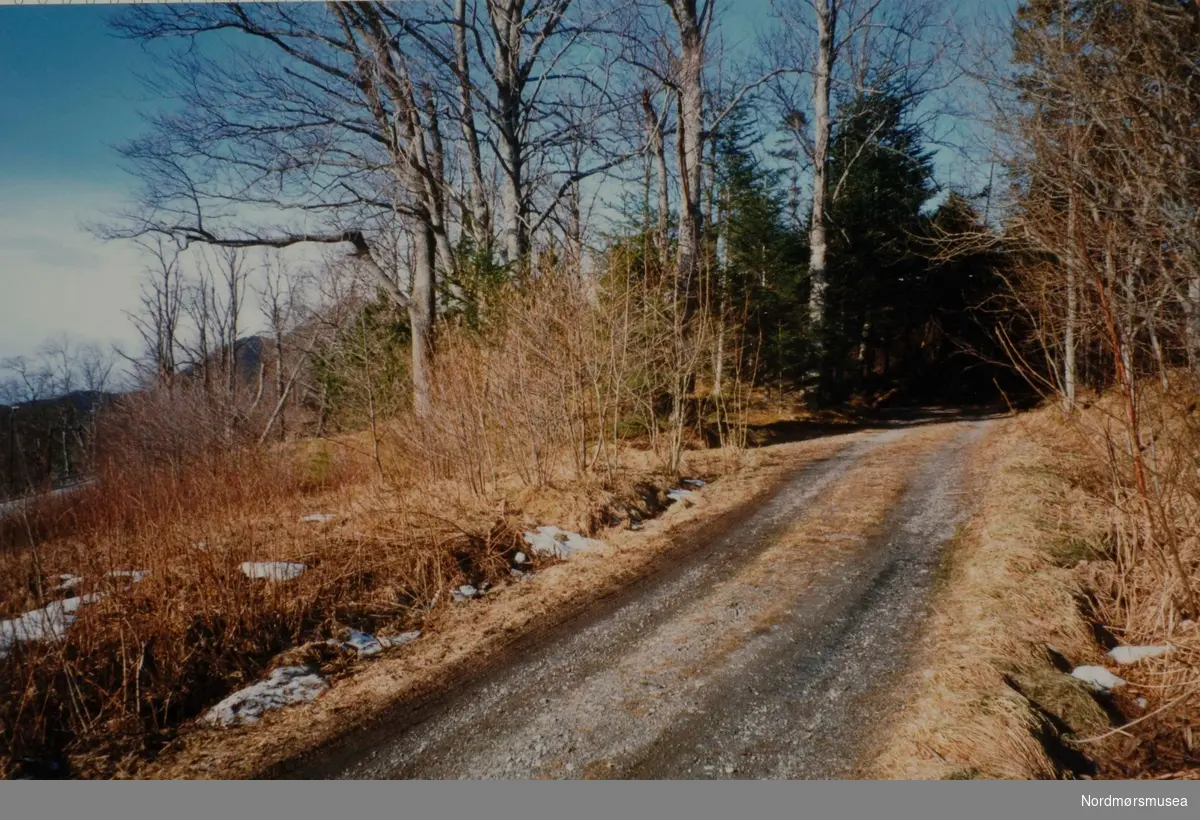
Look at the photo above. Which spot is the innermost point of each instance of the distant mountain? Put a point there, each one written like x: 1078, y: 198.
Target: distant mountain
x: 249, y: 353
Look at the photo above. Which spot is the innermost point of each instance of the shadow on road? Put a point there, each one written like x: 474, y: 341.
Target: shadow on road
x: 850, y: 420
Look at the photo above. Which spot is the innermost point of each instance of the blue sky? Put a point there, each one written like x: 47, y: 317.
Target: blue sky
x: 70, y: 92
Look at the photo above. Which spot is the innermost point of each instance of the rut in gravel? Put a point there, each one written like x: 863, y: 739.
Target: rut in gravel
x: 771, y: 654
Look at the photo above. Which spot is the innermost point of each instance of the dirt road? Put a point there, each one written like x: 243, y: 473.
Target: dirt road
x: 774, y: 652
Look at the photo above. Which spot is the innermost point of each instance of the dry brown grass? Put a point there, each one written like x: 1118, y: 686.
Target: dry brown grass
x: 548, y: 414
x: 1143, y: 559
x: 148, y: 658
x: 1038, y: 578
x: 1002, y: 601
x: 462, y: 640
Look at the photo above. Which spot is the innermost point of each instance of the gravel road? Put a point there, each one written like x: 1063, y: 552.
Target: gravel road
x: 762, y: 656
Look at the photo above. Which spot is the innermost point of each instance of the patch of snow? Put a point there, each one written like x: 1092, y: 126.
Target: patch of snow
x: 285, y: 686
x: 1143, y: 703
x: 464, y: 593
x: 17, y: 504
x: 48, y: 623
x: 679, y: 494
x: 273, y: 570
x: 1098, y: 678
x: 367, y: 644
x: 362, y: 642
x: 388, y: 641
x: 521, y: 558
x: 558, y: 543
x: 318, y: 518
x: 68, y: 581
x: 695, y: 482
x: 202, y: 545
x: 1133, y: 654
x: 131, y: 575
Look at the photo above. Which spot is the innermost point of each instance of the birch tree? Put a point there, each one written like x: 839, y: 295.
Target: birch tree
x: 310, y: 126
x: 848, y: 49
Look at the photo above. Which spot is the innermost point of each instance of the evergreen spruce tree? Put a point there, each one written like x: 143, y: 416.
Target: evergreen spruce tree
x: 879, y: 292
x: 760, y: 258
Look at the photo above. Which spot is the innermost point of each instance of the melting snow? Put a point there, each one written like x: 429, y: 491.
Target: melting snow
x: 48, y: 623
x: 559, y: 543
x: 1133, y: 654
x: 388, y: 641
x: 366, y: 644
x: 464, y: 593
x: 318, y: 518
x: 1098, y: 677
x: 679, y: 494
x: 695, y: 482
x: 273, y: 570
x: 285, y: 686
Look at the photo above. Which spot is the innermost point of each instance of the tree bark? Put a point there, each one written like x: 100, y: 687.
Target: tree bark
x: 1072, y: 311
x: 654, y: 128
x: 480, y: 226
x: 826, y: 20
x: 421, y: 314
x: 690, y: 139
x: 506, y: 23
x: 1192, y: 323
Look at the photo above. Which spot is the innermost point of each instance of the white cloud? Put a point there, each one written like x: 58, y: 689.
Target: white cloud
x: 55, y: 278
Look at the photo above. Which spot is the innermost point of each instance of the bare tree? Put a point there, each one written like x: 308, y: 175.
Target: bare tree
x: 1100, y: 117
x: 157, y: 320
x: 320, y: 133
x: 280, y: 301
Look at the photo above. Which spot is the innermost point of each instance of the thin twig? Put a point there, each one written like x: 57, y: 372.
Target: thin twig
x: 1147, y: 716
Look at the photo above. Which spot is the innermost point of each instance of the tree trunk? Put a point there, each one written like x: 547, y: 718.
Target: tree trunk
x: 1192, y: 323
x: 280, y: 385
x: 480, y: 225
x: 722, y: 309
x: 654, y: 127
x: 506, y: 22
x: 826, y: 14
x: 690, y: 143
x: 421, y: 308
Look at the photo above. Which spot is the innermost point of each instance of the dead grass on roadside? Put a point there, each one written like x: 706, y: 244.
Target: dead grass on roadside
x: 1036, y: 586
x: 148, y: 658
x: 1002, y: 600
x: 463, y: 639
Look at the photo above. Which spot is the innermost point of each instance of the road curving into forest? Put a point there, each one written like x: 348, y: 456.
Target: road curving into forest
x: 775, y: 651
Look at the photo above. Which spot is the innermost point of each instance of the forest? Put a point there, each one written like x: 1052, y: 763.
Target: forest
x: 761, y: 225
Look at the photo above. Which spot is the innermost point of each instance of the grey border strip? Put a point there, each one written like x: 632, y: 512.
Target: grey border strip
x: 741, y: 800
